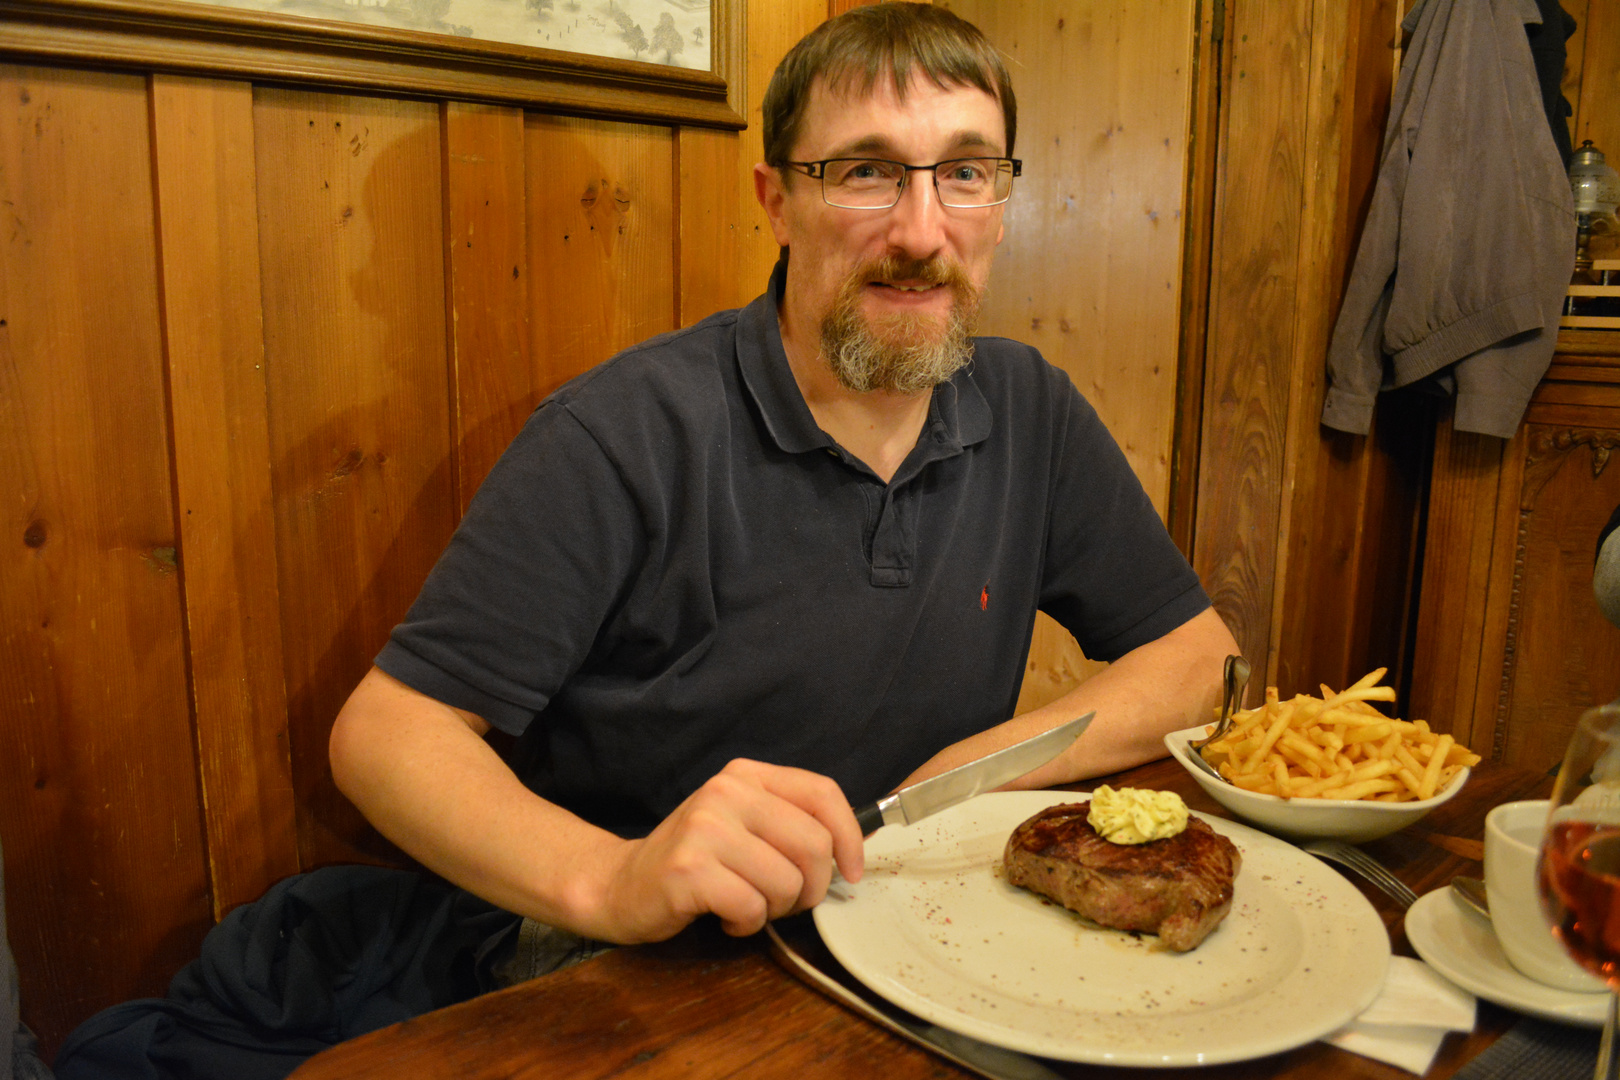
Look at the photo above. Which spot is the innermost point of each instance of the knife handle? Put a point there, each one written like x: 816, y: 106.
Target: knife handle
x: 869, y: 818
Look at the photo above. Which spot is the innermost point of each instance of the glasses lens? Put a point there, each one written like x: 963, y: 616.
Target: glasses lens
x: 862, y: 182
x: 974, y: 181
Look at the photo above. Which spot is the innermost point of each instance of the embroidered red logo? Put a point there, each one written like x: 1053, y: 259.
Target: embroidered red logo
x: 984, y: 597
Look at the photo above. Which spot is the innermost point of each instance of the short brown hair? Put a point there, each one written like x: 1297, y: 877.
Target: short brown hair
x: 867, y: 44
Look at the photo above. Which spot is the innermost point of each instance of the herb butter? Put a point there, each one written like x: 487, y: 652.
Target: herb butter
x: 1136, y: 815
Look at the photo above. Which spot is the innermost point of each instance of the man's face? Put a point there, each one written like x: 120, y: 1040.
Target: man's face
x: 889, y: 295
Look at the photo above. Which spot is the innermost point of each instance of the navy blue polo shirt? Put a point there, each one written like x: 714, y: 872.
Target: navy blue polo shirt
x: 673, y: 566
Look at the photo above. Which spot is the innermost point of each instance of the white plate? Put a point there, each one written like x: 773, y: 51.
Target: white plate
x: 1459, y: 943
x: 934, y: 928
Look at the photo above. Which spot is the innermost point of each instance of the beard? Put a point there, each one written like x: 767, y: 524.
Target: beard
x: 900, y: 353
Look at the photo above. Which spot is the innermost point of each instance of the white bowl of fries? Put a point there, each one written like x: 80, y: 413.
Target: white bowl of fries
x: 1328, y: 767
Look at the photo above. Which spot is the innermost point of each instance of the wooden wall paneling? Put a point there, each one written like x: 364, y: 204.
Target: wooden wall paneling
x: 1351, y: 503
x: 1090, y: 272
x: 774, y: 27
x: 487, y: 263
x: 601, y: 241
x: 1594, y: 60
x: 202, y: 139
x: 1334, y: 64
x: 1252, y: 352
x: 710, y: 182
x: 1574, y: 59
x: 351, y: 236
x: 1303, y: 538
x: 1558, y: 655
x: 1210, y: 50
x: 105, y: 875
x: 1498, y: 605
x: 1464, y: 495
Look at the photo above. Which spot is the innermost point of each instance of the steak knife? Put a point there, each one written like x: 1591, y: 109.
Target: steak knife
x: 930, y: 796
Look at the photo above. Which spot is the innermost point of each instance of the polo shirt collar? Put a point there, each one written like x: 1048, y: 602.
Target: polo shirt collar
x: 958, y: 417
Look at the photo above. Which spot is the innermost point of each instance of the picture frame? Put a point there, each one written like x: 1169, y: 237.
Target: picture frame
x: 265, y: 47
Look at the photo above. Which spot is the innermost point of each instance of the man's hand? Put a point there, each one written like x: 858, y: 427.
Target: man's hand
x: 756, y: 842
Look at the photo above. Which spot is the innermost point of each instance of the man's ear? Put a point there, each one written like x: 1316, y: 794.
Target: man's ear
x: 772, y: 198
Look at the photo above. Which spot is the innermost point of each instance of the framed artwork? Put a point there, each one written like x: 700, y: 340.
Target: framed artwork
x: 674, y: 61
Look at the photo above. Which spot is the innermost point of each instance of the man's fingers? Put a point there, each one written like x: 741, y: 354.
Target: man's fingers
x: 821, y: 798
x: 756, y: 842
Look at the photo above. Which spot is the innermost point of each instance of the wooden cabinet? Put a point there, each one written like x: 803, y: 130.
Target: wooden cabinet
x: 1510, y: 644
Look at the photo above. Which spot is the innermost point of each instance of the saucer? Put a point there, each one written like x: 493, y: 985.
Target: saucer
x: 1459, y: 943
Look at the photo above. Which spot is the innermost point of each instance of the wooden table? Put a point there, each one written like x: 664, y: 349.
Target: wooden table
x: 705, y: 1005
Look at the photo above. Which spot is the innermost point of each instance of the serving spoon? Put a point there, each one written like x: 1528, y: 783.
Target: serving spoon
x: 1236, y: 678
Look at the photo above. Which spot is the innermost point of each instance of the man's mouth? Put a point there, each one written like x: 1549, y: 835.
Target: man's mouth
x: 908, y: 288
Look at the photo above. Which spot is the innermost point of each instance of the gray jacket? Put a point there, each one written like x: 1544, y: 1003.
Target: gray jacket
x: 1470, y: 239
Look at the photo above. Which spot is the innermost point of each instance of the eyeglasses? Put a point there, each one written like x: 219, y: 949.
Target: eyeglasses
x: 876, y: 184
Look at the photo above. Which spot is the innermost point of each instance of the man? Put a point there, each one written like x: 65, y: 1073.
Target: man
x: 749, y: 573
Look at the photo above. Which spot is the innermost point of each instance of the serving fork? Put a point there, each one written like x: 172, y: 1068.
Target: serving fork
x: 1364, y: 864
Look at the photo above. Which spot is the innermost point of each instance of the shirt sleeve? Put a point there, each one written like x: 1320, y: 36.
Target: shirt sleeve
x: 532, y: 573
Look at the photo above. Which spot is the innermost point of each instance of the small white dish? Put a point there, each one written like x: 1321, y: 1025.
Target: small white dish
x: 1459, y: 943
x: 1353, y: 821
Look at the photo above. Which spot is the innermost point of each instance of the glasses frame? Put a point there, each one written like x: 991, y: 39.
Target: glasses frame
x: 817, y: 170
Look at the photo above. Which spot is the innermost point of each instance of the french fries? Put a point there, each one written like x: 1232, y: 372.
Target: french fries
x: 1336, y: 747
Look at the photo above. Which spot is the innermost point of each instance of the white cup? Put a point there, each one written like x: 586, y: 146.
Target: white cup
x: 1512, y: 839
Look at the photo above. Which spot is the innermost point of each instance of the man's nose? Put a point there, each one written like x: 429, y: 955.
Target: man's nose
x: 917, y: 221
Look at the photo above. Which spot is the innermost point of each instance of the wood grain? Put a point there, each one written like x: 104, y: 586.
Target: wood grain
x: 1252, y: 352
x: 601, y: 241
x: 352, y: 240
x: 1594, y: 52
x: 1463, y: 497
x: 1351, y: 505
x: 774, y: 27
x: 107, y: 888
x: 1090, y: 272
x: 1203, y: 171
x: 711, y: 179
x: 202, y: 138
x: 488, y: 267
x: 1559, y: 656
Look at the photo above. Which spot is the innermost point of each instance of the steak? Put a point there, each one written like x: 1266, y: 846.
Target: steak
x: 1179, y: 888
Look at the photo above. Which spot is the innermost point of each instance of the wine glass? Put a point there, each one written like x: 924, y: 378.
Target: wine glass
x: 1578, y: 872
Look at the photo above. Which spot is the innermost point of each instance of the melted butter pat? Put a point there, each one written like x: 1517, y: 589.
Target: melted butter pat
x: 1136, y: 815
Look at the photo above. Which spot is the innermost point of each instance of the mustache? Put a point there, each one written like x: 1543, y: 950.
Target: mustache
x: 930, y: 271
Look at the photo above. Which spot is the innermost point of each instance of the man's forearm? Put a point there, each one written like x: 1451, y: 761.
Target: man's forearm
x: 754, y: 842
x: 423, y: 775
x: 1165, y: 685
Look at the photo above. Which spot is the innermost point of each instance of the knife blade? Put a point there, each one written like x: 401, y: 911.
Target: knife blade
x: 930, y: 796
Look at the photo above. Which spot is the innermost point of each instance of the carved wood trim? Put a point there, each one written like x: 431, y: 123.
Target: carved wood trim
x: 1549, y: 449
x: 204, y: 39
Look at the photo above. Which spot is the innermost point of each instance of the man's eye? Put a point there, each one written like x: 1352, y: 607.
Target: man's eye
x: 867, y: 170
x: 966, y: 172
